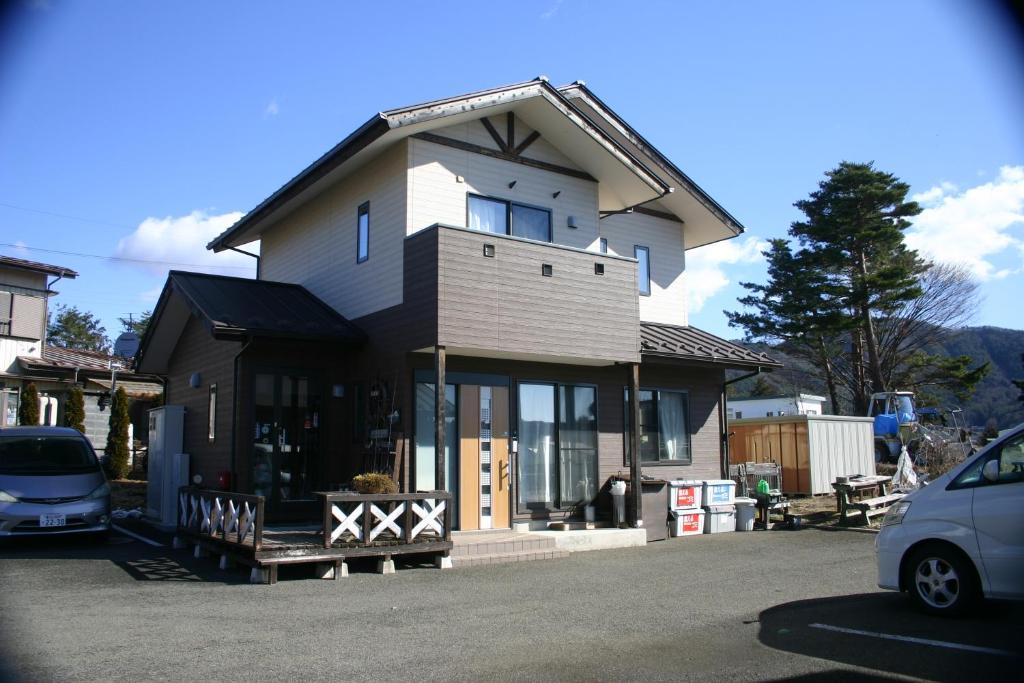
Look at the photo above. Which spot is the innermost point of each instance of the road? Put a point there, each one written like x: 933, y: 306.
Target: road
x: 753, y: 606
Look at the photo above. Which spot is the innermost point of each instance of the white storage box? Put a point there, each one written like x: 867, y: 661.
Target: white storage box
x: 746, y: 511
x: 719, y: 492
x: 684, y: 494
x: 719, y: 519
x: 687, y: 522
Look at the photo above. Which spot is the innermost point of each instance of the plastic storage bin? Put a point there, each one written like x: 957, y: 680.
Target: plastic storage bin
x: 685, y: 494
x: 746, y: 511
x: 719, y: 519
x: 687, y: 522
x: 719, y: 492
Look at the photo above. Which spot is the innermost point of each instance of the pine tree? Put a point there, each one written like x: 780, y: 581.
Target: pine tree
x: 28, y: 407
x: 117, y: 437
x: 74, y: 409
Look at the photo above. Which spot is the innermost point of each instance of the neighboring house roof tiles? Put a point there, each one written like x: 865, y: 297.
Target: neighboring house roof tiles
x: 690, y: 343
x: 38, y: 267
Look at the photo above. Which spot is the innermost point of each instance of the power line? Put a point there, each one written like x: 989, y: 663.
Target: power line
x: 122, y: 258
x: 64, y: 215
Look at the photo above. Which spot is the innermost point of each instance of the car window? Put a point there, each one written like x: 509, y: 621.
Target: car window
x: 45, y: 455
x: 1011, y: 465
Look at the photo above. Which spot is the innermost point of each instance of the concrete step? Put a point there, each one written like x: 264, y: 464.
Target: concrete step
x: 503, y: 546
x: 506, y: 558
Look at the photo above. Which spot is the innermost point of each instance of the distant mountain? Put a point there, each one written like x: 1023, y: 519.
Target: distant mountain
x: 995, y: 397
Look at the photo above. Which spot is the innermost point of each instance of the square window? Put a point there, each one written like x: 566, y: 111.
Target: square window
x: 546, y: 270
x: 598, y: 269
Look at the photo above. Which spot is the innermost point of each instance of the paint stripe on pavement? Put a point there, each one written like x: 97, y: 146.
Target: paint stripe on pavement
x: 136, y: 536
x: 911, y: 639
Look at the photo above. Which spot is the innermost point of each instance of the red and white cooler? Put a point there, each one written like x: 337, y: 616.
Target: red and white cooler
x: 684, y: 494
x: 688, y: 522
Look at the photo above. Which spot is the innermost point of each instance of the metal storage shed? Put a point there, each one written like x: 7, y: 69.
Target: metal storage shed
x: 812, y: 450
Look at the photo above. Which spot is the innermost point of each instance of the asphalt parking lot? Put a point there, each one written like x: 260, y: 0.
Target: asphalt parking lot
x: 785, y: 605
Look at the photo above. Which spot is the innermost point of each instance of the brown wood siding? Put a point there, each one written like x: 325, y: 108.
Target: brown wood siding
x: 197, y: 351
x: 702, y: 384
x: 505, y: 304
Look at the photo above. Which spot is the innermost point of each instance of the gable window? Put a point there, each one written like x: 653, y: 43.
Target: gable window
x: 664, y: 427
x: 603, y: 245
x: 363, y: 233
x: 643, y: 269
x: 508, y: 218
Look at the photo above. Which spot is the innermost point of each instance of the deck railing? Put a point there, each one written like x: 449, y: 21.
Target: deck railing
x: 230, y: 517
x: 361, y: 520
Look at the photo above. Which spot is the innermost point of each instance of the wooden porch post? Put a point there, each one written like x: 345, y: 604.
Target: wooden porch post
x: 439, y: 401
x: 634, y: 440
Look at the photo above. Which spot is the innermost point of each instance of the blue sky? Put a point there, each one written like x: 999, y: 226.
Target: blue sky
x: 137, y: 129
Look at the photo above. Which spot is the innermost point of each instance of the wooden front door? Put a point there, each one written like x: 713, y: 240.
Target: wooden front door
x: 484, y: 469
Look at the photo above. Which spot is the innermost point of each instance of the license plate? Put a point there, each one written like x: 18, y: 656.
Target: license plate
x: 52, y: 520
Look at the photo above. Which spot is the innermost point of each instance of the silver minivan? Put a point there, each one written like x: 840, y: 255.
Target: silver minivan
x: 51, y: 483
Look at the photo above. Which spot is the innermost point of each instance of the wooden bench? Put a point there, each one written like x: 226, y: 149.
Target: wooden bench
x: 870, y: 507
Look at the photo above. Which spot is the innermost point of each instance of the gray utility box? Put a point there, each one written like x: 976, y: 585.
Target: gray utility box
x: 167, y: 466
x: 654, y: 498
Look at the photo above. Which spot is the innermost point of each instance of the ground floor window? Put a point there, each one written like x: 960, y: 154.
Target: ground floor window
x: 557, y: 459
x: 664, y: 427
x: 425, y: 477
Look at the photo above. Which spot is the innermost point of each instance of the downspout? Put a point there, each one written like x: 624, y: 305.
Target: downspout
x: 234, y: 408
x: 249, y: 253
x: 723, y: 420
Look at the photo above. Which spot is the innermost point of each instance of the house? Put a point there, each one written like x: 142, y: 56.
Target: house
x: 25, y: 288
x: 776, y: 406
x: 502, y: 273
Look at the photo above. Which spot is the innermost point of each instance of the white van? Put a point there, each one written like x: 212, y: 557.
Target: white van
x: 961, y: 537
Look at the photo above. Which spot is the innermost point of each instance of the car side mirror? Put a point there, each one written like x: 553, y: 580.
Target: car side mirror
x: 991, y: 470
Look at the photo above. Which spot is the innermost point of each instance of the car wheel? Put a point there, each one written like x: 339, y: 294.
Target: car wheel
x: 940, y: 580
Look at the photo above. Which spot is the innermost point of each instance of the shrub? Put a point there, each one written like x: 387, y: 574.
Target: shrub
x: 74, y: 410
x: 117, y: 437
x: 28, y: 407
x: 374, y: 482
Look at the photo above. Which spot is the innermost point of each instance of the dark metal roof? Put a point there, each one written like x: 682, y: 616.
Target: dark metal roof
x: 38, y: 267
x: 690, y: 343
x: 234, y: 307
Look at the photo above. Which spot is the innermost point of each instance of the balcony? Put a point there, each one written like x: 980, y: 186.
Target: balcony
x: 498, y: 296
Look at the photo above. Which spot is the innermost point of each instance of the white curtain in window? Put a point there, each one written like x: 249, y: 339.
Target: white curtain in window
x: 672, y: 423
x: 487, y: 215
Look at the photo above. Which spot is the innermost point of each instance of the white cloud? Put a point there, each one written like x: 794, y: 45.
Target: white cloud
x: 932, y: 196
x: 271, y: 109
x: 162, y: 244
x: 551, y: 11
x: 22, y: 250
x: 705, y: 274
x: 974, y: 226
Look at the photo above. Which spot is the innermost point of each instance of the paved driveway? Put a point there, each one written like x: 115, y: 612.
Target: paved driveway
x: 724, y: 607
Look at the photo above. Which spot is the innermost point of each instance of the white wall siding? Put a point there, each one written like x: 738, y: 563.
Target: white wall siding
x: 316, y: 245
x: 10, y: 349
x: 436, y: 195
x: 664, y: 238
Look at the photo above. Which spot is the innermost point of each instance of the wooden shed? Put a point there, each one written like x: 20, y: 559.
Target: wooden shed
x: 812, y: 450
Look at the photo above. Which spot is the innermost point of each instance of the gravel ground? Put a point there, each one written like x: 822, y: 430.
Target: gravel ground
x: 683, y: 609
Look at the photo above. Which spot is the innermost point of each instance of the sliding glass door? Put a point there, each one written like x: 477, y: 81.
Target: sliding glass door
x: 557, y: 460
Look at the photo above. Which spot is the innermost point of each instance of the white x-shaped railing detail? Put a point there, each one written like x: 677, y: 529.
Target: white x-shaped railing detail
x: 193, y: 507
x: 216, y: 516
x: 387, y: 521
x: 349, y: 522
x: 428, y: 517
x: 230, y: 518
x: 205, y: 505
x: 248, y: 521
x: 183, y: 509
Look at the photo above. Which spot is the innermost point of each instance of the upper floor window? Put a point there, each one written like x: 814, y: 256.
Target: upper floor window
x: 603, y: 245
x: 363, y: 233
x: 22, y: 313
x: 643, y: 269
x: 508, y: 218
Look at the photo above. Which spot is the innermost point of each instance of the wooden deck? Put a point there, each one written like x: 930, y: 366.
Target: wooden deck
x: 382, y: 526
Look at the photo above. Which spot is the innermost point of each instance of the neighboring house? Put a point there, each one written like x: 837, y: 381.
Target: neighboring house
x: 518, y: 252
x: 776, y: 406
x: 25, y: 288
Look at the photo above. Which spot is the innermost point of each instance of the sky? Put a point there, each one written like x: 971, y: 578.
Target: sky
x: 131, y: 133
